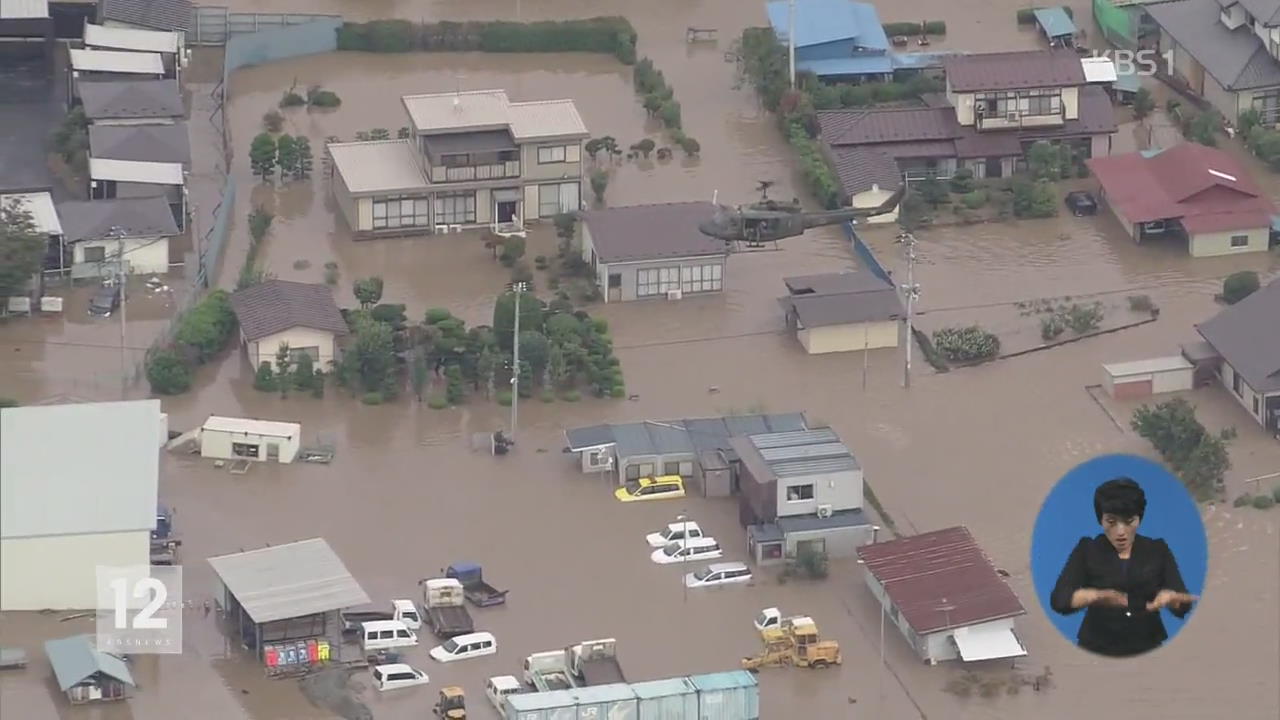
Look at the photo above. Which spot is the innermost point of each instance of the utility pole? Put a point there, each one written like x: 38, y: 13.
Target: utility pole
x: 791, y: 42
x: 684, y: 539
x: 912, y: 292
x: 865, y: 346
x: 118, y: 233
x: 516, y: 288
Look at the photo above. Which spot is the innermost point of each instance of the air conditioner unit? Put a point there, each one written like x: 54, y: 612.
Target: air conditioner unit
x: 442, y: 229
x: 674, y: 294
x: 1012, y: 116
x: 455, y: 228
x: 824, y: 511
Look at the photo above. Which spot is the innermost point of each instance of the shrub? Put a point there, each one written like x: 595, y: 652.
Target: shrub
x: 608, y: 35
x: 437, y: 315
x: 1034, y: 199
x: 1263, y: 502
x: 503, y: 397
x: 513, y: 249
x: 618, y: 392
x: 939, y: 27
x: 259, y: 223
x: 962, y: 181
x: 1051, y: 327
x: 1027, y: 16
x: 1275, y: 493
x: 318, y: 97
x: 331, y: 273
x: 273, y: 121
x: 966, y: 344
x: 571, y: 396
x: 812, y: 564
x: 690, y: 146
x: 1084, y: 318
x: 669, y: 113
x: 292, y: 99
x: 932, y: 27
x: 207, y: 326
x: 547, y: 396
x: 599, y: 183
x: 540, y: 262
x: 168, y: 373
x: 1242, y: 500
x: 814, y: 167
x: 1239, y: 286
x: 436, y: 402
x: 372, y: 398
x: 1141, y: 303
x: 522, y: 274
x: 974, y: 200
x: 264, y: 379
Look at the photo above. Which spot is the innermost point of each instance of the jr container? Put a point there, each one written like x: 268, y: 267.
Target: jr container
x: 670, y: 699
x: 731, y: 695
x: 602, y: 702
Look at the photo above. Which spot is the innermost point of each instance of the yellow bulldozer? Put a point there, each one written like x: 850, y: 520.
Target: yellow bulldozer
x: 795, y: 641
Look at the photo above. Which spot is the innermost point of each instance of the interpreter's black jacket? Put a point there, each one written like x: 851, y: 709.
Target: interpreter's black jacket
x: 1094, y: 563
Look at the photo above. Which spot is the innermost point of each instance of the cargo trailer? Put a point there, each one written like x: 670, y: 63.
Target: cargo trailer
x: 670, y: 699
x: 732, y: 695
x: 605, y: 702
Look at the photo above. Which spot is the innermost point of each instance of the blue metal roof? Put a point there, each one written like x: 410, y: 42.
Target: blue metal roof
x: 858, y: 65
x: 1128, y: 82
x: 728, y: 680
x: 1055, y: 22
x: 920, y: 60
x: 825, y: 21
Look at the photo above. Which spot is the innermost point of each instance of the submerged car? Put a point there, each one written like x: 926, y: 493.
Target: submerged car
x: 733, y: 573
x: 463, y: 647
x: 703, y: 548
x: 1081, y: 203
x: 673, y: 532
x: 105, y: 301
x: 397, y: 675
x: 659, y: 488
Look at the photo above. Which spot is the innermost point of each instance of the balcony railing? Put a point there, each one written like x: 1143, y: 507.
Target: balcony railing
x: 1014, y: 121
x: 468, y: 173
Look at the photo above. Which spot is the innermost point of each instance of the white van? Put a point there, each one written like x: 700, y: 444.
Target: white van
x: 397, y: 675
x: 386, y: 634
x: 673, y: 532
x: 703, y: 548
x: 498, y: 688
x: 463, y: 647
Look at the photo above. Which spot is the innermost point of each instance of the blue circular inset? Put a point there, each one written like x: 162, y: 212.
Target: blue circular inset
x: 1067, y: 516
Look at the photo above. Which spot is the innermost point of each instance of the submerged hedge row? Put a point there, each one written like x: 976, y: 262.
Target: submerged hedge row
x: 608, y: 35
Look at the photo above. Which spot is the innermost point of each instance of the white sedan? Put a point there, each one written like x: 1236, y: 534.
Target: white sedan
x: 397, y: 675
x: 733, y: 573
x: 673, y: 532
x: 703, y: 548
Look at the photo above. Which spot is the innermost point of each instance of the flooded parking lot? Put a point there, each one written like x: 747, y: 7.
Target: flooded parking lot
x: 406, y: 495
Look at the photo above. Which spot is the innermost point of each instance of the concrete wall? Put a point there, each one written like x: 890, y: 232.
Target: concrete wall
x: 117, y: 122
x: 1247, y: 397
x: 1215, y: 244
x: 847, y: 338
x: 570, y: 169
x: 839, y: 542
x: 264, y: 349
x: 630, y: 274
x: 59, y: 572
x: 347, y: 204
x: 842, y: 491
x: 144, y: 255
x: 874, y: 198
x: 217, y: 444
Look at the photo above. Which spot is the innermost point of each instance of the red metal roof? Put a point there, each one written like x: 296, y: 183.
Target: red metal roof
x: 940, y: 579
x: 1207, y: 189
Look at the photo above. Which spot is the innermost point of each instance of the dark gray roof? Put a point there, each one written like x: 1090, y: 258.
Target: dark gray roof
x: 481, y: 141
x: 795, y: 453
x: 75, y: 659
x: 841, y: 299
x: 1268, y: 11
x: 860, y: 169
x: 278, y: 305
x: 864, y: 127
x: 689, y: 436
x: 1014, y: 70
x: 138, y: 217
x: 1237, y: 59
x: 143, y: 143
x: 1247, y: 335
x: 154, y: 14
x: 114, y: 99
x: 652, y: 232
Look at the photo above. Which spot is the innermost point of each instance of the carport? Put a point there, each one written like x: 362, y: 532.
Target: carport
x: 1142, y: 378
x: 1056, y: 26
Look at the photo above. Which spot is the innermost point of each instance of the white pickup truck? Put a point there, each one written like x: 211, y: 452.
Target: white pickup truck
x: 403, y: 610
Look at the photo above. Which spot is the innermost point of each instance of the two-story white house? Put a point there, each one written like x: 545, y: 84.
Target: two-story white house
x: 1225, y: 51
x: 473, y: 159
x: 801, y: 492
x: 995, y: 106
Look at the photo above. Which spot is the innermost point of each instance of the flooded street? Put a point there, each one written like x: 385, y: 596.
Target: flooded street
x: 406, y: 495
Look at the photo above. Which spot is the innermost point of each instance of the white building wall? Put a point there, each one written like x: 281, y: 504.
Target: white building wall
x: 59, y: 572
x: 217, y: 444
x: 144, y: 255
x: 941, y: 646
x: 1216, y: 244
x: 1247, y: 397
x: 265, y: 349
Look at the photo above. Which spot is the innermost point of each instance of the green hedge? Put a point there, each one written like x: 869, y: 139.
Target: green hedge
x: 911, y: 29
x: 609, y: 35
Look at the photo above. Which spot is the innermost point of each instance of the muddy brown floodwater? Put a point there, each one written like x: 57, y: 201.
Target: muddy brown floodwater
x: 406, y: 495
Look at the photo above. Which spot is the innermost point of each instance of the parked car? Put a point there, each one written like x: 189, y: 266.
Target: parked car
x: 498, y: 688
x: 385, y: 635
x: 1081, y: 203
x: 463, y: 647
x: 673, y: 532
x: 703, y: 548
x: 659, y: 488
x: 733, y: 573
x: 105, y: 301
x: 398, y: 675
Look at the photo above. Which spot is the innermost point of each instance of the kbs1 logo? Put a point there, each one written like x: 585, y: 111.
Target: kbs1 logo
x: 139, y: 609
x: 1138, y: 62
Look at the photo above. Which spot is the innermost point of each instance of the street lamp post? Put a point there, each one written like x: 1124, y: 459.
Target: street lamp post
x: 518, y: 288
x: 118, y: 233
x: 912, y: 292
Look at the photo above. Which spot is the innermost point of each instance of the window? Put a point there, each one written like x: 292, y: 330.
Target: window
x: 1238, y: 241
x: 95, y: 254
x: 296, y: 353
x: 400, y: 211
x: 598, y: 459
x: 798, y: 493
x: 552, y: 154
x: 700, y: 278
x: 556, y: 198
x: 1255, y: 405
x: 646, y: 469
x: 1025, y: 102
x: 1237, y: 383
x: 244, y: 450
x: 686, y: 469
x: 453, y: 209
x: 455, y: 160
x: 671, y: 468
x: 657, y: 281
x: 633, y: 472
x: 1268, y: 106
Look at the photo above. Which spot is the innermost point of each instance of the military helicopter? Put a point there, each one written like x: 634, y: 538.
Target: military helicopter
x: 770, y: 220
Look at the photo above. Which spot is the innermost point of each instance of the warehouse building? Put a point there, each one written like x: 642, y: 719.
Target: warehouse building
x: 78, y: 489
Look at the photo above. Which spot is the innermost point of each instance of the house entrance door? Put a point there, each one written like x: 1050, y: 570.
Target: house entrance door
x: 993, y: 169
x: 273, y: 451
x: 615, y: 287
x: 506, y: 205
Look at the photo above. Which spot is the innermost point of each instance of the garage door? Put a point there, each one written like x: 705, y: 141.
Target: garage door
x: 1133, y: 390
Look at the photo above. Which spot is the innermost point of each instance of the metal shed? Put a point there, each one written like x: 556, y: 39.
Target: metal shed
x: 669, y: 699
x: 228, y: 438
x: 1141, y: 378
x: 1056, y: 25
x: 85, y: 673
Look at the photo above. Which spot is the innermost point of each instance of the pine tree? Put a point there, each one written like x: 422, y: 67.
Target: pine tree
x: 287, y: 155
x: 305, y: 161
x: 262, y: 155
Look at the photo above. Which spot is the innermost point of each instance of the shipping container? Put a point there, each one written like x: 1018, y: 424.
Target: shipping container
x: 731, y: 695
x: 600, y: 702
x: 671, y: 699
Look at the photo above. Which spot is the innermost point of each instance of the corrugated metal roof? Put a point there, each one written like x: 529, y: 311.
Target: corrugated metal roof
x: 105, y: 99
x: 796, y: 454
x: 546, y: 119
x: 266, y: 428
x: 467, y: 110
x: 158, y: 14
x: 41, y: 207
x: 75, y: 659
x: 528, y: 702
x: 818, y: 22
x: 814, y: 467
x: 1054, y: 22
x: 680, y: 436
x: 589, y: 437
x: 23, y: 9
x: 109, y: 484
x: 789, y: 439
x: 141, y: 143
x: 138, y: 217
x: 115, y: 61
x: 940, y: 579
x: 727, y: 680
x: 287, y: 581
x: 1153, y: 365
x: 663, y: 688
x: 378, y: 166
x: 156, y: 41
x: 134, y: 171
